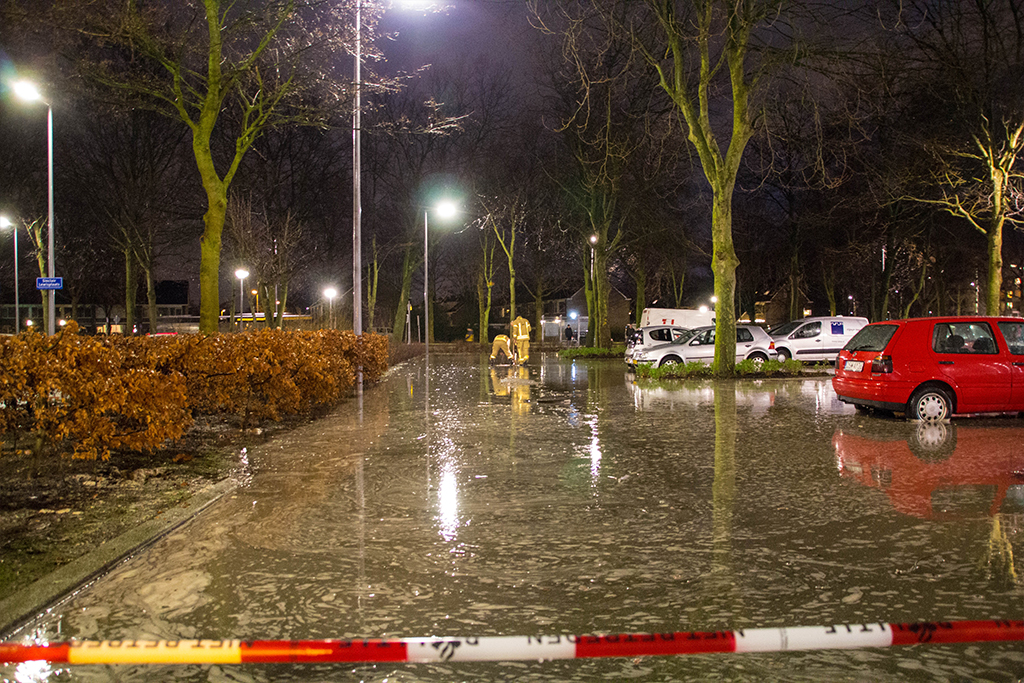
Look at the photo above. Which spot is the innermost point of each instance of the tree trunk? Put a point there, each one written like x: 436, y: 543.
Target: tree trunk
x: 995, y: 266
x: 640, y: 278
x: 723, y: 264
x: 151, y: 300
x: 408, y: 264
x: 129, y: 292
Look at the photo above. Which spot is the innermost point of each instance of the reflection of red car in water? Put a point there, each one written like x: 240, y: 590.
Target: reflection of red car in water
x: 938, y: 470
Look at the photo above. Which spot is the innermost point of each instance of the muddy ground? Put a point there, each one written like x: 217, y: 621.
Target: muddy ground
x: 54, y: 510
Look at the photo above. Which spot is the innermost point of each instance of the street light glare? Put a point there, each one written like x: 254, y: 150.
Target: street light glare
x: 330, y: 292
x: 26, y: 90
x: 4, y: 223
x: 446, y: 209
x: 241, y: 273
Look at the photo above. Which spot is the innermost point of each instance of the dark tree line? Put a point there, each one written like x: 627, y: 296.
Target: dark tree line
x: 824, y: 156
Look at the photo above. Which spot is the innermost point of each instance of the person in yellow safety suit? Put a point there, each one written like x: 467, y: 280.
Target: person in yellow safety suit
x: 521, y: 335
x: 501, y: 345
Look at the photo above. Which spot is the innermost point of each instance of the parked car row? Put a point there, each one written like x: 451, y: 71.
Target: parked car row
x: 809, y: 339
x: 926, y: 368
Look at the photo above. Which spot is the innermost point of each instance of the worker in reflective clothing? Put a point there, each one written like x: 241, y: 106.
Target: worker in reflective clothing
x: 501, y: 346
x: 521, y: 335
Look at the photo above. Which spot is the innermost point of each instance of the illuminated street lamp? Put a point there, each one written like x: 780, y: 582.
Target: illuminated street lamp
x: 4, y: 223
x: 241, y: 274
x: 330, y: 293
x: 444, y: 209
x: 27, y: 91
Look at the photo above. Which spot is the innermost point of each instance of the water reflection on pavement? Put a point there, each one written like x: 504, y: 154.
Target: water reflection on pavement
x: 565, y: 498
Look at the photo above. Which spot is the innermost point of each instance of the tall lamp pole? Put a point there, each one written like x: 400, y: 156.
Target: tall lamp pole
x: 241, y: 274
x: 27, y: 91
x: 445, y: 209
x: 357, y: 198
x: 4, y: 223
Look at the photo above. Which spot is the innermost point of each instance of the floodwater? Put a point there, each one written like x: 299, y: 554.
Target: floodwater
x: 564, y: 498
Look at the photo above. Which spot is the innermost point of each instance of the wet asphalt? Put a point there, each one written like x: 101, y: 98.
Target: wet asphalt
x: 567, y: 498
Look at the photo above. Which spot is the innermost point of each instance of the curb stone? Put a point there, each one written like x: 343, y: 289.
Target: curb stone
x: 17, y: 610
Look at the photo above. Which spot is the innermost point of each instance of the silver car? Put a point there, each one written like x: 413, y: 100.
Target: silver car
x: 751, y: 342
x: 644, y: 338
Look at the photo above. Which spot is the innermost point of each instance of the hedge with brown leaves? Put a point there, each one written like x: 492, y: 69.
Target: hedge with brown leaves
x: 87, y: 396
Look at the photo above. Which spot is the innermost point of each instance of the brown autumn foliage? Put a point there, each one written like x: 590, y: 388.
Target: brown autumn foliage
x: 86, y: 396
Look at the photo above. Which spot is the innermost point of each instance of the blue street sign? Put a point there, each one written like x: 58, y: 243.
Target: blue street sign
x: 49, y: 283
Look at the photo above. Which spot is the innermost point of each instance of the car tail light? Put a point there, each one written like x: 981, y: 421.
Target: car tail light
x: 881, y: 364
x: 771, y: 346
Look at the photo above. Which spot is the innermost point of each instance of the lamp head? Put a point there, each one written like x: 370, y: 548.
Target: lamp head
x: 26, y: 90
x: 330, y: 293
x: 4, y: 223
x: 241, y: 273
x: 446, y: 209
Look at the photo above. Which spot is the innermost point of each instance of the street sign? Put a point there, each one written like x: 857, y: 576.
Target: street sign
x: 49, y: 283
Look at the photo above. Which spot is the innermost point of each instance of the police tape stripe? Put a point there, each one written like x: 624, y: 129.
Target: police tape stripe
x: 513, y: 648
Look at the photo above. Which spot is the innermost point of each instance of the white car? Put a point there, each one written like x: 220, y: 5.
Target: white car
x: 751, y: 342
x: 815, y: 339
x: 643, y: 338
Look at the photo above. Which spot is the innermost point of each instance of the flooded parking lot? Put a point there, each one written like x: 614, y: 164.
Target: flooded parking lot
x: 564, y: 498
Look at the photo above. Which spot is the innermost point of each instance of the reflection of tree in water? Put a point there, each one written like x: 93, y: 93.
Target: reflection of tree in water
x: 723, y: 490
x: 720, y: 600
x: 997, y: 560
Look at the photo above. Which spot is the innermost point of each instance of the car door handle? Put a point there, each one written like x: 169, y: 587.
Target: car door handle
x: 1018, y: 364
x: 945, y: 362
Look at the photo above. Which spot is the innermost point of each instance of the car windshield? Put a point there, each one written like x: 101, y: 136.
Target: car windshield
x: 786, y: 328
x: 871, y: 338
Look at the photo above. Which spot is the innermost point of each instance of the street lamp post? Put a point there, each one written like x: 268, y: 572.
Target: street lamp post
x: 4, y: 223
x: 357, y: 195
x: 444, y: 209
x: 241, y: 274
x: 27, y: 91
x: 330, y: 293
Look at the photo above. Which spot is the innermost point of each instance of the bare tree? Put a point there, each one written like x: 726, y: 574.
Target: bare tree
x: 971, y: 57
x: 697, y: 49
x: 273, y: 60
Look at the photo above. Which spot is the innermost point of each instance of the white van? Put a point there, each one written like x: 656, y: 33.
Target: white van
x: 680, y: 317
x: 815, y: 339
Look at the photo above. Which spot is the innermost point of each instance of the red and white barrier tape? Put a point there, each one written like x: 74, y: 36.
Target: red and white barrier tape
x: 511, y: 648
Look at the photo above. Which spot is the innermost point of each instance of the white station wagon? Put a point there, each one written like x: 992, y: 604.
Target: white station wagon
x: 699, y: 345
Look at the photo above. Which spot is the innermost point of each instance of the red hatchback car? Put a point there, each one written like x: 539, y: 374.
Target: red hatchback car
x: 931, y: 368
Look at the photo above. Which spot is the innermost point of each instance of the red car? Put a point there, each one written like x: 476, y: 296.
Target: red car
x: 931, y: 368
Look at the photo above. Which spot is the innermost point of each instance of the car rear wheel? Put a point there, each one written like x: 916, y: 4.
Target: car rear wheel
x: 670, y: 360
x: 784, y: 355
x: 930, y: 404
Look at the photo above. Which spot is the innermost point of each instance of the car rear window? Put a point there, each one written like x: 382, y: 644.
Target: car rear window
x: 663, y: 334
x: 871, y: 338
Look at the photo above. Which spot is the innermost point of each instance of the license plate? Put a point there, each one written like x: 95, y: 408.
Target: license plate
x: 854, y: 365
